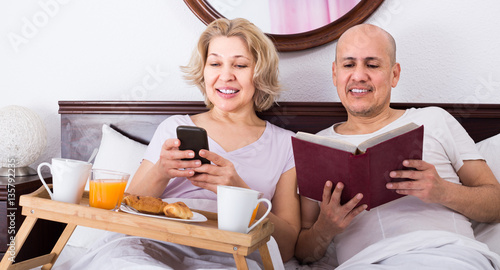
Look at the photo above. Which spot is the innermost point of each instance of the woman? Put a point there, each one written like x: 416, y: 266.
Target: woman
x: 235, y: 66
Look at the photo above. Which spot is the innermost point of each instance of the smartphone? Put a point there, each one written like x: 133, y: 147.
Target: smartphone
x: 193, y: 138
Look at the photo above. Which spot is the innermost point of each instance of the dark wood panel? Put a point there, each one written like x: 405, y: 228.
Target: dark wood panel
x: 480, y: 120
x: 4, y: 227
x: 131, y: 107
x: 282, y: 108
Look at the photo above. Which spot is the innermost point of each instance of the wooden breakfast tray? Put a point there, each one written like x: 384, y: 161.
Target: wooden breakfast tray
x: 200, y: 234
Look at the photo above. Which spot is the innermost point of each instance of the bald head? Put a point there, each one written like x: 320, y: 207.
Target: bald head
x: 364, y: 35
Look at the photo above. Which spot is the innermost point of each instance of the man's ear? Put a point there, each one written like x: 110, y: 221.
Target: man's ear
x: 334, y: 75
x: 396, y: 72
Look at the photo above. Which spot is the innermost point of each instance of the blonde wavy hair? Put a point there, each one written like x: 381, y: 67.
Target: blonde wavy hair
x: 265, y: 78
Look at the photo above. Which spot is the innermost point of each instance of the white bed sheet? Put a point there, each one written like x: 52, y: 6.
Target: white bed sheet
x: 117, y: 251
x: 413, y: 248
x: 68, y: 253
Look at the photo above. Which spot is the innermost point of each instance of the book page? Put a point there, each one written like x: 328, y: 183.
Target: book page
x: 327, y: 141
x: 386, y: 135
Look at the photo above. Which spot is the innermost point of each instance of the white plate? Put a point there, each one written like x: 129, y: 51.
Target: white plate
x: 197, y: 217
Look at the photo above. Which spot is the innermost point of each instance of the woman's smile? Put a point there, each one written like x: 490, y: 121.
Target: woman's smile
x: 229, y: 91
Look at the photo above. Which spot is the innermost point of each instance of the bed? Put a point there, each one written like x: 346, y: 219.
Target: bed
x: 121, y: 130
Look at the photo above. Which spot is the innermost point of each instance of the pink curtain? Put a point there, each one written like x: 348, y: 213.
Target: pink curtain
x: 297, y: 16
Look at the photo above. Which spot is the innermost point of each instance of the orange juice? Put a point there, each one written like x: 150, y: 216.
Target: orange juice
x: 106, y: 193
x: 253, y: 215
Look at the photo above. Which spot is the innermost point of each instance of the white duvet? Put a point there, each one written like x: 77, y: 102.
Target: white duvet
x: 416, y: 250
x: 121, y: 252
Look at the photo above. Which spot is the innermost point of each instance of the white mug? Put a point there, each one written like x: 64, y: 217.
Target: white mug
x: 235, y: 206
x: 69, y: 177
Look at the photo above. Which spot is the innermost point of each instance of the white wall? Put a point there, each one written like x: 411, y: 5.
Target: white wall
x: 256, y: 11
x: 131, y: 50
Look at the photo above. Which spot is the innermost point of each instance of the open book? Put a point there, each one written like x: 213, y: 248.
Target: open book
x: 363, y: 169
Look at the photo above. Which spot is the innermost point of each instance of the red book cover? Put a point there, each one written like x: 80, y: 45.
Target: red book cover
x: 361, y: 170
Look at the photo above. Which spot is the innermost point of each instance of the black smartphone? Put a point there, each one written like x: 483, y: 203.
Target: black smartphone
x: 193, y: 138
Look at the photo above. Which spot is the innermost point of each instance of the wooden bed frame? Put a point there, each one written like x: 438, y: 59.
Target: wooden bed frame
x: 81, y: 121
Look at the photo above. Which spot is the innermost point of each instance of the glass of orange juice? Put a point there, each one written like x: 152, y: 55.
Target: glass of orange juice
x: 106, y: 188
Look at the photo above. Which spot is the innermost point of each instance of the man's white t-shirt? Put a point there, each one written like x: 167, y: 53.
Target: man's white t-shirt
x: 446, y: 146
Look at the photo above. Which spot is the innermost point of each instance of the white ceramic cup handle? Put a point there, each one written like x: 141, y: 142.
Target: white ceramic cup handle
x: 41, y: 178
x: 269, y: 205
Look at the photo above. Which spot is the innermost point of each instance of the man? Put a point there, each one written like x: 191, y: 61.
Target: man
x: 430, y: 227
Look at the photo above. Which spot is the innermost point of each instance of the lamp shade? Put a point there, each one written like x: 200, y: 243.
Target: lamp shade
x: 23, y: 137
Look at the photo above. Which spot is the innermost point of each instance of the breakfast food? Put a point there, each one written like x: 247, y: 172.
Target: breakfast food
x: 155, y: 206
x: 178, y: 210
x: 145, y: 204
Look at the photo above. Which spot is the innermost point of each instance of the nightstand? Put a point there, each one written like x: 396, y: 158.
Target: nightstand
x: 45, y: 233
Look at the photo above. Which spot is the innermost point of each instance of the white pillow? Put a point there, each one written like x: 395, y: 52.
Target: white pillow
x: 118, y: 153
x: 490, y: 149
x: 489, y: 233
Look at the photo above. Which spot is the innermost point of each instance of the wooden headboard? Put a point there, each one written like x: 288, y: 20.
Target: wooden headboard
x: 81, y: 121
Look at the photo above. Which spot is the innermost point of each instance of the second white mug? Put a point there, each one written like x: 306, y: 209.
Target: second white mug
x: 235, y: 206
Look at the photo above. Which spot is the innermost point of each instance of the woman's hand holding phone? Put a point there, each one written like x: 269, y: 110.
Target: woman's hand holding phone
x: 179, y: 156
x: 173, y: 162
x: 203, y: 168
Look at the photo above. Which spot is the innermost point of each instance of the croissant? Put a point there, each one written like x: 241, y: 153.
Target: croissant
x: 145, y: 204
x: 177, y: 210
